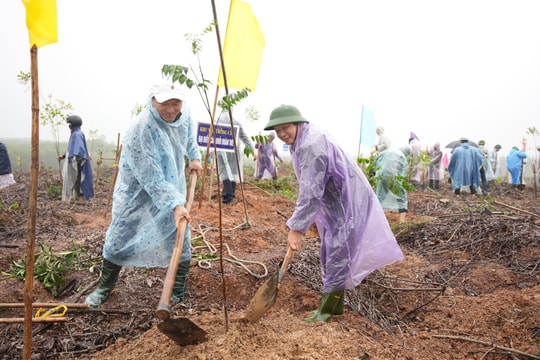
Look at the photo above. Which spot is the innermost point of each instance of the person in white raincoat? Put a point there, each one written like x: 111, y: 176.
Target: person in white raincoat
x: 228, y: 169
x: 333, y: 193
x: 486, y: 171
x: 150, y: 192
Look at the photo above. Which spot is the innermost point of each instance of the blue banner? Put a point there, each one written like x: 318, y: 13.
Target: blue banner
x: 367, y: 128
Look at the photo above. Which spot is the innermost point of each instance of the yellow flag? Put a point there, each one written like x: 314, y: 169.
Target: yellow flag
x: 41, y: 22
x: 243, y: 47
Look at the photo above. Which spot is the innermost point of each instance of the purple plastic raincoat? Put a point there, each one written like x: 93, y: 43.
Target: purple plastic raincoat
x: 267, y: 154
x: 356, y: 238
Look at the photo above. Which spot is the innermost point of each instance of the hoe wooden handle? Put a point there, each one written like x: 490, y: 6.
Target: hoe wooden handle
x: 163, y: 311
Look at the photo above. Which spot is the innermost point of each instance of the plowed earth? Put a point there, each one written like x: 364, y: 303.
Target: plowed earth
x: 469, y: 287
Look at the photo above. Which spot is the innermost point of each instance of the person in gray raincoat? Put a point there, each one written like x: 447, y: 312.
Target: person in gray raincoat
x: 150, y: 192
x: 228, y: 170
x: 333, y: 193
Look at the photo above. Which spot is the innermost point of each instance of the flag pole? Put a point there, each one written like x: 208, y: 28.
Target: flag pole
x: 226, y: 86
x: 360, y: 139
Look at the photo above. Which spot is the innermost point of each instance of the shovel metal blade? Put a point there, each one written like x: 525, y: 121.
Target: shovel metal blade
x: 263, y: 299
x: 182, y: 331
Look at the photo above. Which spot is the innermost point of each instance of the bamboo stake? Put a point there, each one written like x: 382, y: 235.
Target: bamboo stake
x: 33, y: 320
x: 115, y: 176
x: 44, y: 305
x: 32, y: 208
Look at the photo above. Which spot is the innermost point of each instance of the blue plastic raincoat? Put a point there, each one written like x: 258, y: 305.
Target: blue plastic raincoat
x: 513, y: 164
x: 151, y: 183
x: 464, y: 166
x: 6, y: 177
x: 335, y: 194
x: 77, y: 149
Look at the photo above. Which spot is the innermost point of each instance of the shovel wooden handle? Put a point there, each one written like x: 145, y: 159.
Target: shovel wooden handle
x: 163, y: 311
x: 284, y: 265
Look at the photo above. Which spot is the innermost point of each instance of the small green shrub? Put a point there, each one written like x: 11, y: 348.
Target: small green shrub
x: 49, y: 268
x: 12, y: 208
x: 54, y: 190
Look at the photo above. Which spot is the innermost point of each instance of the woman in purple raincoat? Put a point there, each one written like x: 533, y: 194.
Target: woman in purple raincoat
x: 356, y: 238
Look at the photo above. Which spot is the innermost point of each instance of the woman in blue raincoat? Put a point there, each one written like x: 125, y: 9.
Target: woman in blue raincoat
x: 333, y: 193
x: 150, y: 192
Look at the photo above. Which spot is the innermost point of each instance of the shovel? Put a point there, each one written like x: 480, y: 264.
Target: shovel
x: 266, y: 295
x: 182, y: 330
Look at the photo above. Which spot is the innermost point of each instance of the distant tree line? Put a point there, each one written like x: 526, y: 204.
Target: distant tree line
x: 20, y: 152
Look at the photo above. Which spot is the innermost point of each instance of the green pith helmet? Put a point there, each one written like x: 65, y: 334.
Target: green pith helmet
x: 284, y: 114
x: 481, y: 142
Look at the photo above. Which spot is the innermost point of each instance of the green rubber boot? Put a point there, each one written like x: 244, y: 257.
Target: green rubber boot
x: 329, y: 305
x: 339, y: 307
x: 180, y: 283
x: 107, y: 282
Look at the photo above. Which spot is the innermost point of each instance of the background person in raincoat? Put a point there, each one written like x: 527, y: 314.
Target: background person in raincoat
x: 266, y: 155
x: 77, y: 172
x: 486, y: 171
x: 514, y: 162
x: 150, y: 192
x: 434, y: 167
x: 390, y: 192
x: 228, y: 170
x: 464, y: 166
x: 383, y: 141
x: 6, y: 176
x: 416, y: 165
x: 494, y: 160
x: 334, y: 193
